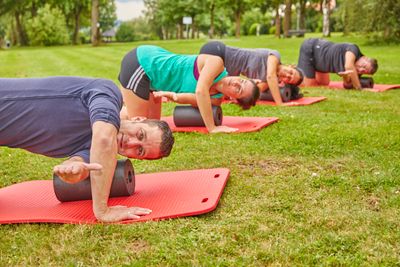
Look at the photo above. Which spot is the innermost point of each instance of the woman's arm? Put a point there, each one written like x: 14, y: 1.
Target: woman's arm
x: 272, y: 78
x: 212, y: 67
x: 185, y: 98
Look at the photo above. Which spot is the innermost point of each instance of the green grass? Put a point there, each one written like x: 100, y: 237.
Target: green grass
x: 321, y: 187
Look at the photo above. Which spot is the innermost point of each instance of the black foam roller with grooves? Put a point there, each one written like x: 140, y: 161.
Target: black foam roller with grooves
x: 123, y: 184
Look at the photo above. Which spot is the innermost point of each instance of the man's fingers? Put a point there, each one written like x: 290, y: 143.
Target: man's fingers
x: 120, y: 213
x: 139, y: 211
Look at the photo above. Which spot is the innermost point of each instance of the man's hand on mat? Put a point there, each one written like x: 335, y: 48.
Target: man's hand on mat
x: 346, y: 72
x: 223, y: 129
x: 75, y: 171
x: 120, y: 213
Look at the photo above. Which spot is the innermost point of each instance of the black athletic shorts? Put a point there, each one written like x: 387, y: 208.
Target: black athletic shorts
x: 214, y: 48
x: 306, y: 58
x: 132, y: 76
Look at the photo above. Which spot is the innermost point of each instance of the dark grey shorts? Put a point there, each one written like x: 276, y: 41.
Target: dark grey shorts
x: 306, y: 58
x: 214, y: 48
x: 132, y: 76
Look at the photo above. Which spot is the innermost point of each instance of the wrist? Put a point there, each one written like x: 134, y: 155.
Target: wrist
x: 175, y: 97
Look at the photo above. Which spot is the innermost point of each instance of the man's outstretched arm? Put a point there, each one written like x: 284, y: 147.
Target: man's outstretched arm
x: 104, y: 152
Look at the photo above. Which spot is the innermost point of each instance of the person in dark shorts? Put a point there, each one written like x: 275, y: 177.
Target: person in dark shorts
x: 151, y: 72
x: 79, y: 118
x: 261, y: 64
x: 319, y: 57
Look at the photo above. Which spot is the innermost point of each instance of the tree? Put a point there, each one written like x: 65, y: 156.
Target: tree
x: 302, y: 14
x: 288, y: 18
x: 108, y: 16
x: 326, y: 11
x: 17, y: 10
x: 238, y: 7
x: 95, y: 23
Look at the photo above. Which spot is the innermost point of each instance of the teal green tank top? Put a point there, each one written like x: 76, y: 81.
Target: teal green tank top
x: 168, y: 71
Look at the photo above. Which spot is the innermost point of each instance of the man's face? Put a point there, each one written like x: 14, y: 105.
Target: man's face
x: 288, y: 75
x: 236, y: 87
x: 363, y: 66
x: 138, y: 140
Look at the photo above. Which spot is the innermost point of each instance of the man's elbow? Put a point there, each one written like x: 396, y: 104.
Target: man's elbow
x: 105, y: 142
x: 271, y: 77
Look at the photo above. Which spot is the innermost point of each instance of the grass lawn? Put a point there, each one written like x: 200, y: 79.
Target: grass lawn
x: 321, y: 187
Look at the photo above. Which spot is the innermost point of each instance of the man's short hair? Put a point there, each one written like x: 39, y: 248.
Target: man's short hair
x: 167, y: 138
x: 301, y: 73
x: 374, y: 65
x: 248, y: 102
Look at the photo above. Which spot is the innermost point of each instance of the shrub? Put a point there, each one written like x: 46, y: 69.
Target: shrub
x: 48, y: 27
x: 272, y: 30
x: 253, y: 29
x: 126, y: 32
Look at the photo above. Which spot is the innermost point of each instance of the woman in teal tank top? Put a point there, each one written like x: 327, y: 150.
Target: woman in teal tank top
x: 149, y: 73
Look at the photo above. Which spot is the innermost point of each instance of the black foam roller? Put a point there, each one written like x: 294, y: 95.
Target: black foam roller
x: 190, y: 116
x: 123, y: 184
x: 286, y: 94
x: 366, y: 82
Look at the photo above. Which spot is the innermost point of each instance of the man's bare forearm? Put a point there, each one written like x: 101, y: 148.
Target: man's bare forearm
x: 104, y: 152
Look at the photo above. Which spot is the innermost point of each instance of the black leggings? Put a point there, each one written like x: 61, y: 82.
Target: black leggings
x: 132, y: 76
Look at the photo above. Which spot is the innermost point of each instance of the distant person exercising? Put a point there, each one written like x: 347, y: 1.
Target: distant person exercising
x: 261, y: 64
x: 151, y: 72
x: 319, y: 57
x: 79, y: 118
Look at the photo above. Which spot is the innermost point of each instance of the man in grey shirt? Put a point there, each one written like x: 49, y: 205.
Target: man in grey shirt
x: 261, y: 64
x: 319, y: 57
x: 79, y: 118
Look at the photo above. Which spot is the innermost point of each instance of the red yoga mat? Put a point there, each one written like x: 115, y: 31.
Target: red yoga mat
x: 304, y: 101
x: 377, y: 87
x: 244, y: 124
x: 167, y: 194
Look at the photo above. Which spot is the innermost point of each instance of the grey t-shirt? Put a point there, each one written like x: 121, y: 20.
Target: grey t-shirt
x: 330, y: 57
x: 54, y: 116
x: 251, y: 63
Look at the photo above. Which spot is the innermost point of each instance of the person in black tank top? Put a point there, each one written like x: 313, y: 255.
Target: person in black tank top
x: 318, y: 58
x: 261, y: 64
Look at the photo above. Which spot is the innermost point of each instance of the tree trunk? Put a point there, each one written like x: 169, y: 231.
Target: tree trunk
x: 237, y: 21
x: 95, y: 23
x: 326, y: 14
x: 212, y: 11
x: 277, y: 22
x: 302, y: 24
x: 77, y: 25
x: 193, y: 28
x: 21, y: 34
x: 288, y: 18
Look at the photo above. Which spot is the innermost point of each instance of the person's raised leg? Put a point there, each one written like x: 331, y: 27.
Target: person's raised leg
x: 154, y: 107
x: 309, y: 82
x: 322, y: 78
x: 136, y: 106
